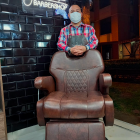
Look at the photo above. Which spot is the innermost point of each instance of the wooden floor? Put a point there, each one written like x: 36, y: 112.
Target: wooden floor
x: 120, y: 131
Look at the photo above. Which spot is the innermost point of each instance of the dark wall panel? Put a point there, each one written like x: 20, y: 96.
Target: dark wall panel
x: 27, y: 43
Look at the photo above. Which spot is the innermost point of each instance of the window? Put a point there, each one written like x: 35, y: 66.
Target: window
x: 104, y: 3
x: 105, y: 26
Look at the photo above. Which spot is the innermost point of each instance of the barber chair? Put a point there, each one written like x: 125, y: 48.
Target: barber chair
x: 78, y: 98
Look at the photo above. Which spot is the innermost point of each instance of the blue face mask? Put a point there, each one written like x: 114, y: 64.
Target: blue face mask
x: 75, y: 17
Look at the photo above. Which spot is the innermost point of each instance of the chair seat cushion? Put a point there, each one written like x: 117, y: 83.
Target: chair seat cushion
x: 74, y: 106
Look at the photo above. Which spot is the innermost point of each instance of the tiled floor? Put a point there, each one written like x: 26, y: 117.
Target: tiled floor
x: 120, y: 131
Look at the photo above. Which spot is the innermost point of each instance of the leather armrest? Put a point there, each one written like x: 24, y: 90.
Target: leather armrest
x: 109, y: 111
x: 40, y: 114
x: 45, y: 83
x: 105, y: 81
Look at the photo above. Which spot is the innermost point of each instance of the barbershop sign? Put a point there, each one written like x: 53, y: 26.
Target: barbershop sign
x: 48, y: 4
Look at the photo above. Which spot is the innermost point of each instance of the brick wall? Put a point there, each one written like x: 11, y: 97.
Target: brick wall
x: 27, y: 43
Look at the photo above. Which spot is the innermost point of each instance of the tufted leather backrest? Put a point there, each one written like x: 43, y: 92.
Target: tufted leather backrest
x: 77, y: 74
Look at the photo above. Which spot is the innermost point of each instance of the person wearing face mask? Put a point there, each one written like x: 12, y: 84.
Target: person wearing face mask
x: 77, y: 38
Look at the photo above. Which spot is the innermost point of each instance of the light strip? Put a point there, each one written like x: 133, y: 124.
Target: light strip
x: 57, y: 2
x: 36, y: 2
x: 27, y: 4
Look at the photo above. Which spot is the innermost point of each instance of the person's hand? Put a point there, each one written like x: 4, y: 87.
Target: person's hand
x: 82, y: 48
x: 78, y: 50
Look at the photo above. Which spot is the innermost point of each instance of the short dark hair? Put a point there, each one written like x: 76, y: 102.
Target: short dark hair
x: 76, y: 4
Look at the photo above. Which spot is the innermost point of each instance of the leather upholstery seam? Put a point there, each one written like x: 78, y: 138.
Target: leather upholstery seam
x: 58, y: 132
x: 76, y: 69
x: 88, y: 131
x: 43, y: 108
x: 87, y: 91
x: 60, y: 105
x: 52, y: 100
x: 65, y: 89
x: 105, y: 111
x: 74, y: 100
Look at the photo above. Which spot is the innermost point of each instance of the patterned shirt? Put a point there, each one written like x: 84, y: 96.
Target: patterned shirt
x: 89, y: 33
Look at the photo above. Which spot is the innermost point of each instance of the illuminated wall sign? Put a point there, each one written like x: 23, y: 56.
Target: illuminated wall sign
x: 46, y: 8
x: 55, y: 4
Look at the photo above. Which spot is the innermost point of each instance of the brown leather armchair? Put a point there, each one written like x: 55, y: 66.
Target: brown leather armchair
x: 78, y: 97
